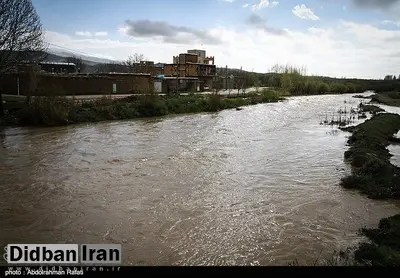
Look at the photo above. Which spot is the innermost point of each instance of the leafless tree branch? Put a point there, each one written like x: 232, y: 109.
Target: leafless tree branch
x: 21, y: 34
x: 132, y: 61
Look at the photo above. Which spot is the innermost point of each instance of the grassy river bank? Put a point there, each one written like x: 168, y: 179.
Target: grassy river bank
x: 374, y: 175
x: 56, y: 111
x: 388, y: 98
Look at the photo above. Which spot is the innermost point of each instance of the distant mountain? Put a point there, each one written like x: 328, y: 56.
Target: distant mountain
x: 56, y: 55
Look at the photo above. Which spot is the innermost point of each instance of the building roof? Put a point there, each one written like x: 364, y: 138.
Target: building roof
x: 181, y: 78
x: 202, y: 64
x: 124, y: 73
x: 175, y: 64
x: 57, y: 63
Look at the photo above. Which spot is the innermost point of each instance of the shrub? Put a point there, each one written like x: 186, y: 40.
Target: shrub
x: 45, y: 111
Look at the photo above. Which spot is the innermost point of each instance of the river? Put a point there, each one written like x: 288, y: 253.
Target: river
x: 258, y: 186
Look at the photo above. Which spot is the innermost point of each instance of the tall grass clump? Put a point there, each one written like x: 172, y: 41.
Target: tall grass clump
x: 151, y: 106
x: 269, y: 95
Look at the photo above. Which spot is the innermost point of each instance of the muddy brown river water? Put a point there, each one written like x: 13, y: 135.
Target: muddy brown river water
x: 253, y: 187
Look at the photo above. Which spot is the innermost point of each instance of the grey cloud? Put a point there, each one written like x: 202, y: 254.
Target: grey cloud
x: 392, y: 55
x: 389, y: 7
x: 256, y: 21
x: 169, y: 33
x: 380, y: 4
x: 395, y: 38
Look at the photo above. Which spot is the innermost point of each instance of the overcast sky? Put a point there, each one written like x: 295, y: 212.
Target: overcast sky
x: 352, y: 38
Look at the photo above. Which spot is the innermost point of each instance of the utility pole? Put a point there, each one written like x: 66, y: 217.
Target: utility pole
x: 18, y: 84
x: 239, y: 80
x: 178, y: 68
x: 226, y: 77
x: 245, y: 75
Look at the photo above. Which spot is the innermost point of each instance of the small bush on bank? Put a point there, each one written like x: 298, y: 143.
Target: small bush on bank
x: 45, y: 111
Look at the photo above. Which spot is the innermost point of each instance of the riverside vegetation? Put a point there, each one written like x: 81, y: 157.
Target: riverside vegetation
x: 52, y: 111
x: 344, y: 117
x: 293, y: 80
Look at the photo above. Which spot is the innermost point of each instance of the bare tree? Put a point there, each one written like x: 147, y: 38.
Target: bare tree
x: 21, y: 36
x: 132, y: 62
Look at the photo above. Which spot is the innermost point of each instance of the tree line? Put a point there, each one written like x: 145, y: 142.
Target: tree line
x: 391, y: 77
x: 295, y: 81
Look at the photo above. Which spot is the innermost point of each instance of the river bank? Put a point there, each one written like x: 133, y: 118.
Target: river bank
x: 374, y: 175
x: 59, y: 111
x: 56, y: 111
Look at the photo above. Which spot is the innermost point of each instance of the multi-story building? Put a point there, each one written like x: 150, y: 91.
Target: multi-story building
x: 202, y: 58
x: 193, y: 65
